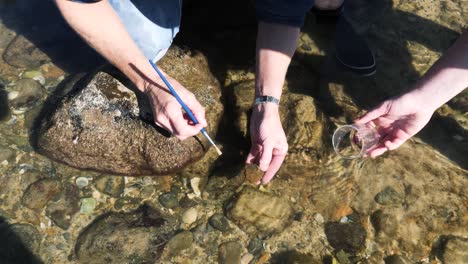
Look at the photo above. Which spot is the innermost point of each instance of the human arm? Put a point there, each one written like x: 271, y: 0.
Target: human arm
x: 99, y: 25
x: 275, y: 46
x: 400, y: 118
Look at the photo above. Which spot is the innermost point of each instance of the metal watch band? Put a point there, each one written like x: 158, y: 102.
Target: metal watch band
x: 266, y: 99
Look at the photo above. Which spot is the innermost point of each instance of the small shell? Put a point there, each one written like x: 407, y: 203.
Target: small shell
x: 195, y: 183
x: 190, y: 216
x: 81, y: 182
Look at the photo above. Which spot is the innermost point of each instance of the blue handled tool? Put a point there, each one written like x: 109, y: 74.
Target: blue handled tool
x: 184, y: 106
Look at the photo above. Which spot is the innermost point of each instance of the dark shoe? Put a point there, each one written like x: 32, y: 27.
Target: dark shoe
x: 352, y: 51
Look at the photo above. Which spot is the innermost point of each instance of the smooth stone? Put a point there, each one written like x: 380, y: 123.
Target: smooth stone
x: 389, y: 197
x: 343, y: 257
x: 103, y: 123
x: 179, y: 242
x: 255, y: 246
x: 127, y: 203
x: 350, y: 237
x: 66, y: 206
x: 35, y: 75
x: 81, y: 182
x: 22, y: 53
x: 252, y: 173
x: 169, y: 200
x: 40, y: 193
x: 190, y: 216
x: 219, y: 222
x: 397, y: 259
x: 138, y: 236
x: 186, y: 202
x: 6, y: 153
x: 258, y: 212
x: 30, y: 92
x: 110, y: 185
x: 87, y: 205
x: 229, y: 253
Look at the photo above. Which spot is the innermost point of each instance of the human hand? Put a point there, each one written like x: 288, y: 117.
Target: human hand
x: 396, y: 120
x: 269, y: 144
x: 168, y: 113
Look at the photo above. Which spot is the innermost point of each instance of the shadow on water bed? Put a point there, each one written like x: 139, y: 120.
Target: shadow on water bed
x: 41, y: 23
x: 4, y: 110
x: 16, y: 243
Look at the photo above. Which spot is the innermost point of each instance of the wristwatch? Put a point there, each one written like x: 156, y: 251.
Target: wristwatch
x: 266, y: 99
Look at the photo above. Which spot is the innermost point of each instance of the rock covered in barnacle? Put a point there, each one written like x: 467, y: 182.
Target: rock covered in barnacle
x: 107, y: 125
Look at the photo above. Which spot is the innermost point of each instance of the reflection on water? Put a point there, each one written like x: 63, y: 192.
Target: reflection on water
x: 401, y: 203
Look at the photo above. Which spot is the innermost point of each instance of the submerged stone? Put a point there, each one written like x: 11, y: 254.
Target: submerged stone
x: 29, y: 92
x: 455, y: 250
x: 219, y: 222
x: 65, y: 207
x: 135, y: 237
x: 110, y: 185
x: 22, y: 53
x: 6, y: 153
x: 389, y: 197
x: 169, y: 200
x: 259, y: 212
x: 349, y: 237
x: 230, y: 253
x: 87, y: 205
x: 106, y: 125
x: 40, y: 193
x: 179, y: 242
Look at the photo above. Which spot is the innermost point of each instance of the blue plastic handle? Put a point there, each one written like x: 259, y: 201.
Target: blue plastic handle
x: 174, y: 93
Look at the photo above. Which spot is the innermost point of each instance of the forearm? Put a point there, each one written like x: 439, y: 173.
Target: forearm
x: 99, y: 25
x: 446, y: 78
x: 275, y: 47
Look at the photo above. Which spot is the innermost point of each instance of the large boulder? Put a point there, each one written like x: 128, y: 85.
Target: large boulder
x: 107, y: 124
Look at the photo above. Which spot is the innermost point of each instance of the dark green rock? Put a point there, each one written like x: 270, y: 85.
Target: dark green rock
x: 350, y: 237
x: 40, y: 193
x: 30, y: 92
x: 343, y: 257
x: 179, y: 242
x: 186, y: 202
x: 110, y: 185
x: 255, y: 246
x: 389, y: 197
x: 229, y: 253
x: 219, y: 222
x: 168, y: 200
x: 65, y: 207
x: 397, y: 259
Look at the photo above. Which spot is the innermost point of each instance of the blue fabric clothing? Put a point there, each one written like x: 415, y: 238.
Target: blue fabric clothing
x: 287, y: 12
x: 151, y: 24
x: 154, y: 24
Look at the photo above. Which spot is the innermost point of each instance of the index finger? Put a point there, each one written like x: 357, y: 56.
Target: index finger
x: 275, y: 165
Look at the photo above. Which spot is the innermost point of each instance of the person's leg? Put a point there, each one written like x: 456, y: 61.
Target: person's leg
x: 151, y: 24
x: 352, y: 51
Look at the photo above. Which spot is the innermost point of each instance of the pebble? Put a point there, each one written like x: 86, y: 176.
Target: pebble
x: 255, y: 246
x: 319, y: 218
x: 40, y: 193
x: 81, y: 182
x: 110, y: 185
x: 388, y: 197
x: 179, y: 242
x: 6, y: 153
x: 246, y: 258
x: 186, y: 202
x: 29, y: 93
x: 87, y: 205
x: 190, y: 216
x: 350, y: 237
x: 65, y: 207
x: 168, y: 200
x: 397, y: 259
x: 219, y: 222
x: 195, y: 184
x: 229, y: 253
